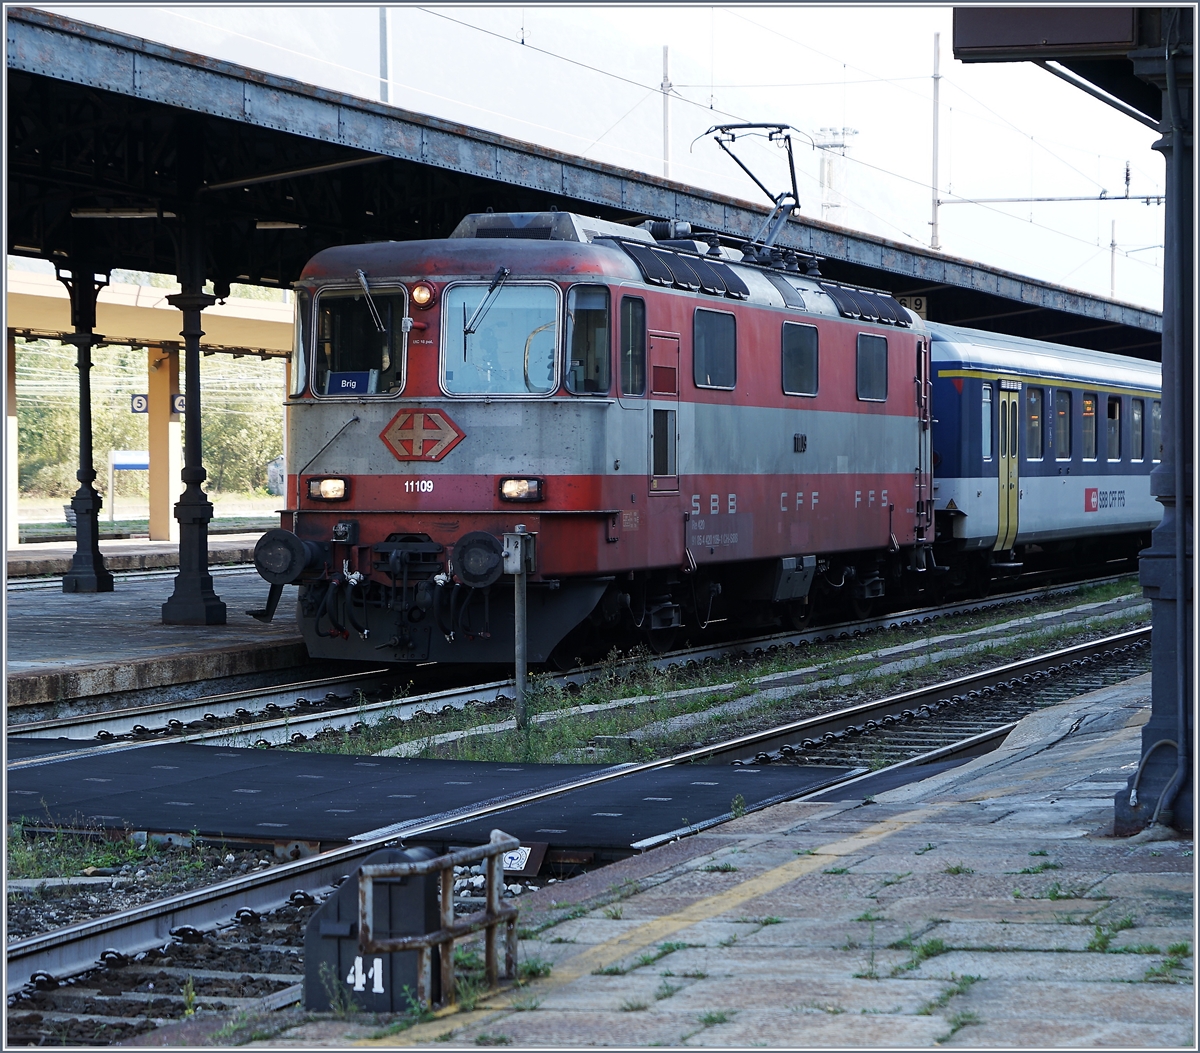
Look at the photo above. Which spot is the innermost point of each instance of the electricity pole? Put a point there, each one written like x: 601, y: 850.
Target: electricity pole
x: 937, y: 48
x: 666, y: 90
x: 1112, y: 268
x: 385, y: 39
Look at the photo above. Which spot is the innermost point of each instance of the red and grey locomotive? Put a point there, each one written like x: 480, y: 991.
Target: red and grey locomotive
x: 691, y: 433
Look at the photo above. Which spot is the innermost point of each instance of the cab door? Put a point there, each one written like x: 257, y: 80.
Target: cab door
x: 664, y: 413
x: 1008, y: 485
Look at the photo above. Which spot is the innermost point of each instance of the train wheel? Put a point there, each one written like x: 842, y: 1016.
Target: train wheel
x: 661, y: 641
x: 799, y: 614
x: 861, y: 607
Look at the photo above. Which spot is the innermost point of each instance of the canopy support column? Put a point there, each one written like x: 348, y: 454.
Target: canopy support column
x: 87, y: 572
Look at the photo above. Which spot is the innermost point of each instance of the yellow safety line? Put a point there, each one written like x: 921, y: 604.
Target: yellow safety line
x: 657, y: 930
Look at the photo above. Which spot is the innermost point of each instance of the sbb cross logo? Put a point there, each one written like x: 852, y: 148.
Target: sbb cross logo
x: 421, y: 435
x: 1091, y: 499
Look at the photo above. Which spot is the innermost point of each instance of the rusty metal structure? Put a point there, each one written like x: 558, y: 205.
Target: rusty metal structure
x: 125, y: 153
x: 489, y: 919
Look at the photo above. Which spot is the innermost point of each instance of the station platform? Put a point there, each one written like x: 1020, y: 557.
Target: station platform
x: 38, y: 559
x: 87, y: 650
x: 987, y: 905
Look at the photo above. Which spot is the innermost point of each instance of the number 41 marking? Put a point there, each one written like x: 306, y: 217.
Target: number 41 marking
x: 358, y: 979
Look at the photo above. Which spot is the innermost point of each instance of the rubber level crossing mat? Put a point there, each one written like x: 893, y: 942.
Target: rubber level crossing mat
x: 282, y: 795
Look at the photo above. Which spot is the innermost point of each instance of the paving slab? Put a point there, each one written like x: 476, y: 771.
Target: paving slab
x: 896, y: 951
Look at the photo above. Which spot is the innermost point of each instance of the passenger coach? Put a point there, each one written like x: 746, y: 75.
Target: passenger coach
x: 1041, y: 452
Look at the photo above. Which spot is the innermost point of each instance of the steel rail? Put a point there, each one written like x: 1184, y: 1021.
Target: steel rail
x: 75, y: 948
x: 818, y: 726
x: 280, y: 729
x: 123, y: 721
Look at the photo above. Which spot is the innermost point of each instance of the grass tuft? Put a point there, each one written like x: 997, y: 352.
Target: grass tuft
x: 534, y: 967
x: 959, y: 985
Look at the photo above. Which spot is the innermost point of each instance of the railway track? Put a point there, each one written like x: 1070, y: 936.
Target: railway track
x: 263, y: 913
x: 296, y: 712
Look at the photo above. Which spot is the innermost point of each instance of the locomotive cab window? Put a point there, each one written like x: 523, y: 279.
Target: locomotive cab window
x: 799, y: 359
x: 499, y: 339
x: 301, y: 342
x: 588, y: 354
x: 1062, y: 425
x: 1089, y: 425
x: 1156, y: 430
x: 633, y: 346
x: 1137, y: 429
x: 714, y: 349
x: 986, y: 421
x: 872, y: 371
x: 1114, y: 427
x: 1033, y: 424
x: 360, y: 342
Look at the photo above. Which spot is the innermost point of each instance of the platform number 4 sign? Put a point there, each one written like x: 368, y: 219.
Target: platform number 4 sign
x: 357, y: 979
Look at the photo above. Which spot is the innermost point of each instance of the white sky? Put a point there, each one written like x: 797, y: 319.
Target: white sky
x: 586, y: 82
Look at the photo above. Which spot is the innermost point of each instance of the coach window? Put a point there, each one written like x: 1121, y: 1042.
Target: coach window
x: 588, y: 352
x: 1156, y: 430
x: 1033, y: 424
x: 1062, y: 425
x: 987, y: 422
x: 360, y: 343
x: 1137, y: 434
x: 872, y: 371
x: 799, y: 359
x: 302, y: 340
x: 714, y: 349
x: 499, y: 339
x: 633, y: 346
x: 1089, y: 426
x: 1114, y: 427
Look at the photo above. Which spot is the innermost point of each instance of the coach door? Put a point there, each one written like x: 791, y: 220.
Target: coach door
x: 1008, y: 488
x: 664, y: 415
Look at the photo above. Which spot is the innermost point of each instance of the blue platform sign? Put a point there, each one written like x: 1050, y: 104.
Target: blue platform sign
x: 139, y: 403
x: 357, y: 383
x: 178, y: 403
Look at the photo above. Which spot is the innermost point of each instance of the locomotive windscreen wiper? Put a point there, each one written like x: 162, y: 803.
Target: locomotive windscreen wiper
x: 470, y: 326
x: 362, y: 280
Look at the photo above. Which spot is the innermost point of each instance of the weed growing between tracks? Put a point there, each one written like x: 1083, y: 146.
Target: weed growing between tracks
x: 826, y: 676
x: 117, y: 873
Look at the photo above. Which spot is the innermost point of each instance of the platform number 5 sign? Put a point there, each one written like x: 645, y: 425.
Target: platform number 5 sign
x: 358, y: 979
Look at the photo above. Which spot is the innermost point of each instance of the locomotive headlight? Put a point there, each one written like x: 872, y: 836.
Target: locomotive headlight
x: 522, y: 490
x: 422, y: 294
x: 328, y: 489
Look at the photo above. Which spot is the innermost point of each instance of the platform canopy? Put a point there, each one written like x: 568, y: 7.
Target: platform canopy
x: 111, y: 134
x: 139, y: 316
